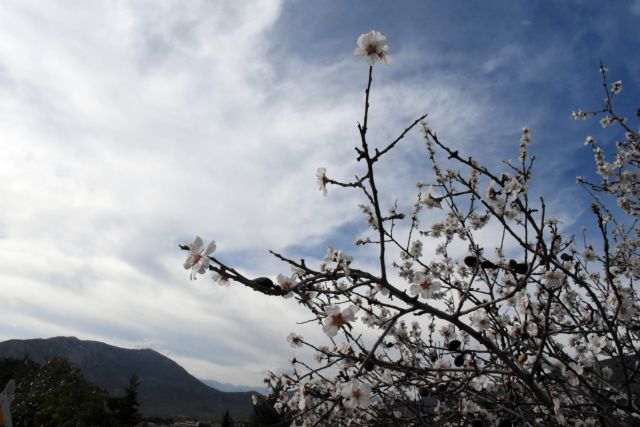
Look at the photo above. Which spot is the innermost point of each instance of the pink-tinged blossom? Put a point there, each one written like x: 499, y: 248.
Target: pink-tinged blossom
x: 514, y: 187
x: 416, y: 249
x: 441, y: 364
x: 373, y: 46
x: 616, y: 87
x: 198, y: 260
x: 559, y: 413
x: 222, y: 279
x: 447, y: 331
x: 342, y: 261
x: 429, y: 201
x: 424, y: 285
x: 552, y: 279
x: 572, y: 373
x: 589, y: 255
x: 356, y: 394
x: 596, y: 344
x: 479, y: 320
x: 526, y: 136
x: 606, y: 121
x: 286, y: 283
x: 294, y: 340
x: 480, y: 383
x: 579, y: 115
x: 522, y: 300
x: 322, y: 180
x: 336, y: 319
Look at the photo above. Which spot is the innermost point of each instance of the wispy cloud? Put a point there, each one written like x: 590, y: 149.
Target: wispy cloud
x: 129, y: 127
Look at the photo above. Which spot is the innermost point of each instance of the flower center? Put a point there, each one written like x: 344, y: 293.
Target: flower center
x: 336, y: 319
x: 371, y: 49
x: 425, y: 285
x: 197, y: 258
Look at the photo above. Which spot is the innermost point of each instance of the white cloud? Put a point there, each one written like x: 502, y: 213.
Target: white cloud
x: 128, y: 127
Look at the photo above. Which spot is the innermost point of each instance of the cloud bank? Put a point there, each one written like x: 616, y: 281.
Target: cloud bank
x: 128, y: 128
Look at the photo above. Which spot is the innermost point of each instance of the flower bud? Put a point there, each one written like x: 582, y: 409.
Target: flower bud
x: 454, y: 345
x: 471, y: 261
x: 459, y: 361
x: 488, y: 264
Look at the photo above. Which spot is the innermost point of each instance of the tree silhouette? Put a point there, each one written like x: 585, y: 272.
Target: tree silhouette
x: 126, y: 407
x: 227, y: 421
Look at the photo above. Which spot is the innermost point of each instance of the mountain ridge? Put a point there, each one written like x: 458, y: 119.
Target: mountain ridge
x: 229, y: 387
x: 166, y: 389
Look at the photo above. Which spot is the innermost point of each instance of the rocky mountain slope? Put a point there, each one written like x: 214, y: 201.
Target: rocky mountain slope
x: 166, y: 389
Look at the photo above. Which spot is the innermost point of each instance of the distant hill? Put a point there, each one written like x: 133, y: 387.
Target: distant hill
x: 228, y: 387
x: 166, y: 389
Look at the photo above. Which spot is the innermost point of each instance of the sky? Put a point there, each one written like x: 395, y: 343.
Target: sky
x: 127, y: 128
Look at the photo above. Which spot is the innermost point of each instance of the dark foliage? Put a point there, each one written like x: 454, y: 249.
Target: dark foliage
x: 56, y: 394
x: 126, y: 407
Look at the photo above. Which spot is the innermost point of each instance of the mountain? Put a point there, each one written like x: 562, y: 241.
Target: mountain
x: 228, y: 387
x: 166, y: 389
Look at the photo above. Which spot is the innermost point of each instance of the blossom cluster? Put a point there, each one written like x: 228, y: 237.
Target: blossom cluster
x: 543, y: 332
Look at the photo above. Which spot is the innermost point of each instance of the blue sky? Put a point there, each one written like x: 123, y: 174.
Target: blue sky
x: 130, y: 127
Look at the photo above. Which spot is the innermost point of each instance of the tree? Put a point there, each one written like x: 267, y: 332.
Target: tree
x: 126, y: 407
x: 264, y: 412
x: 56, y: 394
x: 521, y: 331
x: 227, y: 421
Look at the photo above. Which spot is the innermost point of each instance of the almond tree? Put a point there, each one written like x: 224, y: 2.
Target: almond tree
x: 547, y: 333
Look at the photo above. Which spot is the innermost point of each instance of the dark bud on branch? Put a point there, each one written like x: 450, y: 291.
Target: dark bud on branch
x: 459, y: 360
x: 184, y: 247
x: 454, y: 345
x: 566, y: 257
x: 370, y: 364
x: 522, y: 268
x: 488, y: 264
x: 264, y: 282
x: 470, y: 261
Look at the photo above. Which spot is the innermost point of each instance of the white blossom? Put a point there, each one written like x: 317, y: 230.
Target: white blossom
x: 424, y: 285
x: 356, y: 394
x: 429, y: 201
x: 336, y: 318
x: 294, y: 340
x: 322, y: 180
x: 479, y: 320
x: 616, y: 87
x: 198, y: 259
x: 597, y: 343
x: 373, y: 46
x: 286, y: 283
